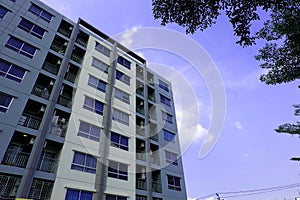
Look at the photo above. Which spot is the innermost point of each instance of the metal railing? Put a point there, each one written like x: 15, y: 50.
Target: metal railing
x: 9, y: 186
x: 155, y: 159
x: 156, y: 186
x: 141, y: 156
x: 140, y: 91
x: 59, y: 48
x: 14, y: 158
x: 76, y: 58
x: 70, y: 77
x: 47, y: 165
x: 141, y: 184
x: 65, y: 101
x: 53, y: 69
x: 40, y: 189
x: 58, y: 129
x: 140, y: 110
x: 30, y: 121
x: 140, y: 131
x: 64, y: 31
x: 41, y: 91
x: 81, y: 41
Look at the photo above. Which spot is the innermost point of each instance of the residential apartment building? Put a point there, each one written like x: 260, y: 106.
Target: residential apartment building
x: 81, y: 116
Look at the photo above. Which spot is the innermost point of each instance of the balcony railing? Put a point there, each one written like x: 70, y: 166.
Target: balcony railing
x: 58, y: 129
x: 140, y: 110
x: 70, y: 77
x: 141, y: 184
x: 155, y: 159
x: 140, y: 91
x: 82, y: 42
x: 140, y: 75
x: 151, y: 98
x: 13, y: 158
x: 9, y: 186
x: 53, y: 69
x: 156, y: 186
x: 141, y: 156
x: 41, y: 91
x: 65, y: 101
x: 40, y: 189
x: 59, y: 48
x: 140, y: 131
x: 47, y: 165
x: 76, y: 58
x: 64, y: 31
x: 154, y: 137
x: 30, y: 121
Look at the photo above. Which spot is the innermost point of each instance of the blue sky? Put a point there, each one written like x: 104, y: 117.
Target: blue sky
x: 249, y: 154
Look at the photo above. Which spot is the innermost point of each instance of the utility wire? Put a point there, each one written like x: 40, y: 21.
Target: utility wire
x: 252, y: 192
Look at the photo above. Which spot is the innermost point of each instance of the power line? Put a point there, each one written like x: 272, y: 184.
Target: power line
x: 252, y: 192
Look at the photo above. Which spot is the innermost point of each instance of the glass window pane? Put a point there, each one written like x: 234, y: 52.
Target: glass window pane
x: 84, y: 127
x: 17, y: 71
x: 95, y: 131
x: 79, y: 158
x: 114, y: 138
x: 124, y: 141
x: 72, y: 194
x: 86, y: 195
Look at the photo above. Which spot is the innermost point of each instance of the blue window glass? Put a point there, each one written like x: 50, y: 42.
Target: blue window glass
x: 40, y: 13
x: 84, y: 162
x: 163, y: 85
x: 165, y: 100
x: 89, y: 131
x: 122, y: 77
x: 119, y: 141
x: 102, y: 49
x: 12, y: 72
x: 100, y: 65
x: 96, y: 83
x: 3, y: 11
x: 168, y: 136
x: 117, y: 170
x: 73, y: 194
x: 31, y: 28
x: 167, y: 117
x: 5, y: 102
x: 21, y: 47
x: 124, y: 62
x: 115, y: 197
x: 93, y: 105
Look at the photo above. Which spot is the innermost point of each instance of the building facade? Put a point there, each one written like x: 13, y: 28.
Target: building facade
x: 81, y: 116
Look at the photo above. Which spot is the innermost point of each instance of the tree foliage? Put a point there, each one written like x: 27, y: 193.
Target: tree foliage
x: 280, y: 55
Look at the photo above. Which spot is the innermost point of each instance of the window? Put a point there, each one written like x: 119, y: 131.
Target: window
x: 12, y: 72
x: 174, y: 183
x: 5, y: 102
x: 73, y: 194
x: 163, y: 85
x: 100, y: 65
x: 121, y: 117
x: 93, y: 105
x: 167, y: 117
x: 171, y: 158
x: 165, y: 100
x: 31, y: 28
x: 40, y: 189
x: 117, y: 170
x: 119, y: 141
x: 122, y: 77
x: 21, y: 47
x: 89, y: 131
x: 84, y: 162
x: 13, y: 0
x: 168, y: 136
x: 123, y: 96
x: 115, y: 197
x: 96, y: 83
x: 124, y: 62
x: 102, y: 49
x: 41, y: 13
x: 3, y: 11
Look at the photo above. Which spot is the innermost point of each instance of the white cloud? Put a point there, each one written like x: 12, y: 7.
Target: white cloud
x: 238, y: 125
x: 126, y: 36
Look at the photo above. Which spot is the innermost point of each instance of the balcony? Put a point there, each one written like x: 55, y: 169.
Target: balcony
x: 65, y: 28
x: 141, y: 184
x: 14, y: 158
x: 47, y: 164
x: 70, y: 77
x: 151, y: 94
x: 71, y: 74
x: 59, y: 45
x: 154, y: 152
x: 43, y: 86
x: 30, y: 121
x: 40, y: 189
x: 141, y: 155
x: 77, y: 55
x: 52, y: 64
x: 9, y: 186
x: 139, y: 88
x: 156, y: 186
x: 53, y: 69
x: 65, y: 101
x: 139, y: 72
x: 140, y: 123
